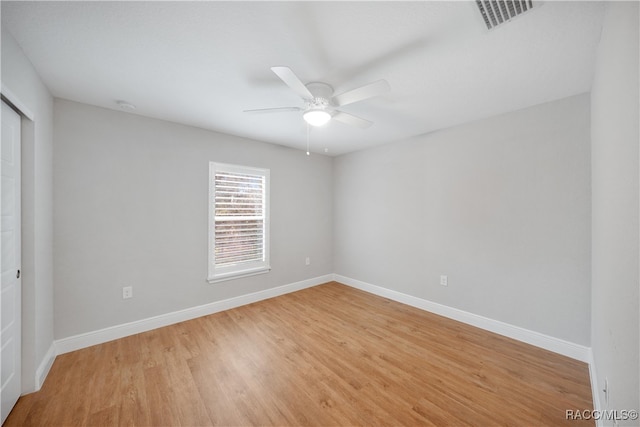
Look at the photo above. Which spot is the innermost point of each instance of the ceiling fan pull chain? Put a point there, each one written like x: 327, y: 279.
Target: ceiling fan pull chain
x: 307, y: 139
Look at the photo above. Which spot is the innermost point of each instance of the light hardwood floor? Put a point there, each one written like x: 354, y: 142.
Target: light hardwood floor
x: 326, y: 356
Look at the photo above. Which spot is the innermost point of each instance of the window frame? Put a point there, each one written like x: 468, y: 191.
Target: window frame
x: 222, y: 273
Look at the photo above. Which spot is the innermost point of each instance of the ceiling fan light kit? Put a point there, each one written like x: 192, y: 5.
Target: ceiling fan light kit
x: 316, y: 117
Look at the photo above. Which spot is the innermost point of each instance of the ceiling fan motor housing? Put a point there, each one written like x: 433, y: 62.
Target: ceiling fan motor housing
x: 322, y: 94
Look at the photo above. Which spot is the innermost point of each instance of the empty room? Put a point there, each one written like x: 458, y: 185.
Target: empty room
x: 322, y: 213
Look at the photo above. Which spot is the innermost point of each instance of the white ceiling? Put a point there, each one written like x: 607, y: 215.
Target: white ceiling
x: 203, y: 63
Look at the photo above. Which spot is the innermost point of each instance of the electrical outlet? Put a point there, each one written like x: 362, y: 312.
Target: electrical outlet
x: 127, y: 292
x: 444, y: 281
x: 307, y: 261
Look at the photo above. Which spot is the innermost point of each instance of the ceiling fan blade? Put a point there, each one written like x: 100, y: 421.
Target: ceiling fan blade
x: 272, y: 110
x: 291, y: 80
x: 352, y: 120
x: 363, y: 92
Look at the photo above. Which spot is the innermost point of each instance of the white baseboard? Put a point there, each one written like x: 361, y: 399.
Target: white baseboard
x: 566, y: 348
x: 88, y: 339
x: 556, y: 345
x: 45, y: 366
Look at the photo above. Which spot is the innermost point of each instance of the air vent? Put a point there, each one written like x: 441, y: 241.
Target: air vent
x: 496, y: 12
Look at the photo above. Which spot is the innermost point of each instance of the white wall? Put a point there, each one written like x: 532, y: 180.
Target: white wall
x: 22, y: 84
x: 501, y: 206
x: 130, y: 209
x: 614, y: 125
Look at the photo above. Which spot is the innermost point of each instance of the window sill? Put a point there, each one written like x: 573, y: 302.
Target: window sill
x: 238, y: 274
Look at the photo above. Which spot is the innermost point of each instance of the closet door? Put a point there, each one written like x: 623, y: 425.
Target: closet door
x: 11, y: 289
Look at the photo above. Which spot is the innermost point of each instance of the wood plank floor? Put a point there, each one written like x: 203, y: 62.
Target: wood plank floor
x: 325, y: 356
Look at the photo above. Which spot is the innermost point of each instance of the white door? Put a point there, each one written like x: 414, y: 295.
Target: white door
x: 11, y: 290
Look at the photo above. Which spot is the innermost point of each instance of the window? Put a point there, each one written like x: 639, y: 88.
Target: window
x: 238, y: 221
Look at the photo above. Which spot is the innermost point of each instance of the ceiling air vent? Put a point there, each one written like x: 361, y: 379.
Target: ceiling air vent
x: 496, y: 12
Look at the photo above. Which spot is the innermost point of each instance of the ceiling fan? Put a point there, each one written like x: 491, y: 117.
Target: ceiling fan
x: 320, y: 105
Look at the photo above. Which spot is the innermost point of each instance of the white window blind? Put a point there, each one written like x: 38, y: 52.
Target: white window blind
x: 238, y: 221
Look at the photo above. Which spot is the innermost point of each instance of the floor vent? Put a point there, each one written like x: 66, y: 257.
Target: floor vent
x: 496, y: 12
